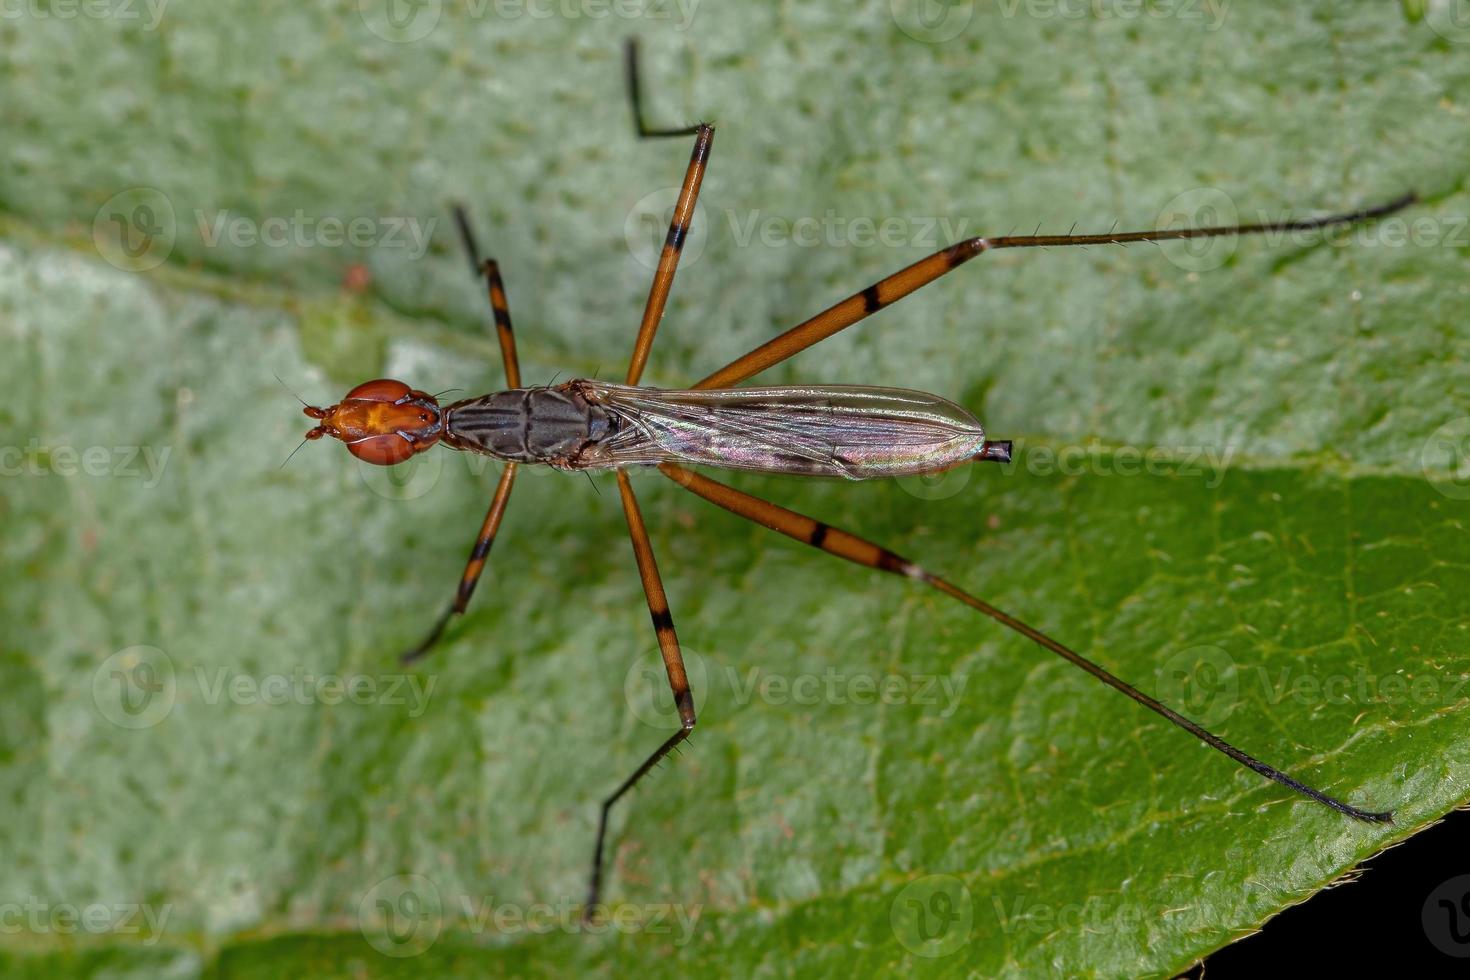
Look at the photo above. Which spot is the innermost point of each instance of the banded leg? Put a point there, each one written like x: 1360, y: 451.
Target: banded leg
x: 886, y: 291
x: 855, y: 549
x: 668, y: 258
x: 490, y: 269
x: 473, y: 568
x: 668, y: 645
x: 488, y: 528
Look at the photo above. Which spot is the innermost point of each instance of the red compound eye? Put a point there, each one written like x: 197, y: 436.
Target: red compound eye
x: 383, y: 450
x: 381, y: 390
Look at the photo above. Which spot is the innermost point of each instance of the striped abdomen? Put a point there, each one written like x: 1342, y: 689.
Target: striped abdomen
x: 525, y: 425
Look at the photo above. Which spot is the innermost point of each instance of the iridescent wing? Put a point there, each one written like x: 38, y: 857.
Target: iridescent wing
x: 860, y: 433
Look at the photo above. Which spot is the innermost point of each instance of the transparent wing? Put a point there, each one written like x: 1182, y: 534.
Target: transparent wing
x: 855, y: 432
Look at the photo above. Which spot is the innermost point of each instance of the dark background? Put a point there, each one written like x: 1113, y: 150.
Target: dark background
x: 1382, y: 916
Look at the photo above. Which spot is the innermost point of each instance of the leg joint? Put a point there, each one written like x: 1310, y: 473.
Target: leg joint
x: 684, y: 701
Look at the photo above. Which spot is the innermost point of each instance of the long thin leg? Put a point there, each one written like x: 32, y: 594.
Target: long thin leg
x: 845, y: 545
x: 490, y: 269
x: 472, y: 570
x: 861, y: 305
x: 668, y: 259
x: 488, y: 528
x: 668, y: 645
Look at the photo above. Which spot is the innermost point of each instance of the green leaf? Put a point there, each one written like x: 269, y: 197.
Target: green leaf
x: 1237, y: 487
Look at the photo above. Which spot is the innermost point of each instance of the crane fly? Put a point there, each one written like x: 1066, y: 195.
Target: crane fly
x: 857, y: 433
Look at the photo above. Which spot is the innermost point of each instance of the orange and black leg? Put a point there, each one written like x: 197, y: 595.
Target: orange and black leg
x: 490, y: 270
x: 668, y: 259
x: 837, y: 542
x: 864, y: 304
x: 668, y: 645
x: 506, y: 335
